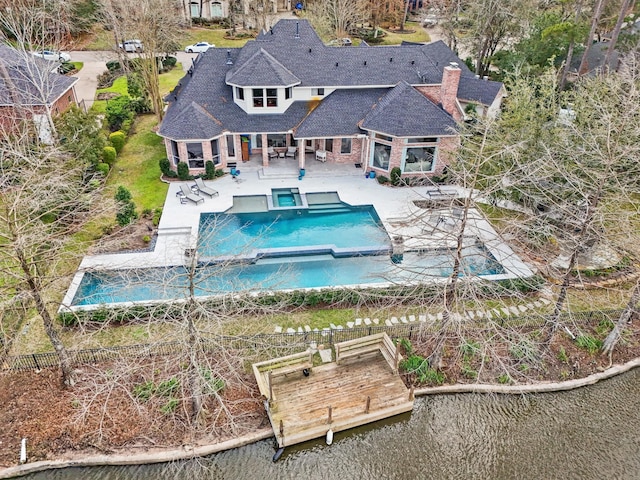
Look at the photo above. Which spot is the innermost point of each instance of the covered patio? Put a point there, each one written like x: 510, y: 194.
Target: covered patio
x: 288, y: 167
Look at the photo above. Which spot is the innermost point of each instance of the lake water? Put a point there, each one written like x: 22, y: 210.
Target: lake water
x: 589, y: 433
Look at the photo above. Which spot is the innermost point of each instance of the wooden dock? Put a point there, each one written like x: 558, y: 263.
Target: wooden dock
x: 360, y: 387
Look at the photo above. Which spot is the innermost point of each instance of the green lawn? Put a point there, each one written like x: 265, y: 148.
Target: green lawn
x: 119, y: 86
x: 170, y: 79
x: 101, y: 39
x: 420, y: 35
x: 211, y: 35
x: 137, y: 165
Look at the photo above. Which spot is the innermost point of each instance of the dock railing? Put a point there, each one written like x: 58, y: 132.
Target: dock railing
x: 266, y: 371
x: 372, y: 343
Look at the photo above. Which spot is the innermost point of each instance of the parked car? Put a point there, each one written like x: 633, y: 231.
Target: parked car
x: 341, y: 42
x: 131, y: 46
x: 429, y: 21
x: 198, y: 47
x: 53, y: 55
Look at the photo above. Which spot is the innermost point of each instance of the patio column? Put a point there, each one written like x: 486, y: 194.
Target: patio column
x: 301, y: 155
x: 265, y: 156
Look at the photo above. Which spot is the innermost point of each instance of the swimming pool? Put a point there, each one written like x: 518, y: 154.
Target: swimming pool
x: 314, y: 271
x: 295, y: 232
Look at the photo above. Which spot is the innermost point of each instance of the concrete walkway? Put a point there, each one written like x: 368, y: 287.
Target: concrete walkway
x: 178, y: 229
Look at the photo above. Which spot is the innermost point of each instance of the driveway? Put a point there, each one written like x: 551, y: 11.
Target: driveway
x: 94, y: 64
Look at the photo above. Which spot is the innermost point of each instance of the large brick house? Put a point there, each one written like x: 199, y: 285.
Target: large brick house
x: 31, y: 90
x: 381, y: 107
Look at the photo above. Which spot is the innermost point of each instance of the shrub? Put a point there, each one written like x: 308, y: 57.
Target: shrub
x: 165, y: 168
x: 140, y: 105
x: 209, y: 170
x: 219, y: 173
x: 117, y: 140
x: 109, y: 155
x: 183, y: 171
x: 66, y: 67
x: 113, y: 65
x: 396, y: 173
x: 118, y: 111
x: 157, y: 213
x: 146, y: 239
x: 103, y: 168
x: 382, y: 179
x: 123, y: 194
x: 86, y: 131
x: 589, y: 343
x: 170, y: 62
x: 144, y: 391
x: 126, y: 208
x: 126, y: 125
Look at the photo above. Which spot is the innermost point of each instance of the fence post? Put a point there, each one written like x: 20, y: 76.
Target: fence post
x: 35, y: 360
x: 410, y: 331
x: 368, y: 404
x: 330, y: 414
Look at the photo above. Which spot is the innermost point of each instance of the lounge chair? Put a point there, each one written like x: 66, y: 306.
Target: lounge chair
x: 291, y: 152
x: 204, y: 189
x: 186, y: 193
x: 271, y: 152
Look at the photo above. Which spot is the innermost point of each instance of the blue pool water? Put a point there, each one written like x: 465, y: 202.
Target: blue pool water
x: 302, y: 272
x: 223, y: 234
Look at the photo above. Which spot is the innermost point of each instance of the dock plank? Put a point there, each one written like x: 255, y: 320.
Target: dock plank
x: 302, y: 403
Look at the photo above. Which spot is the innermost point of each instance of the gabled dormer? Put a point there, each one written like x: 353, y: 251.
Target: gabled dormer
x: 262, y: 84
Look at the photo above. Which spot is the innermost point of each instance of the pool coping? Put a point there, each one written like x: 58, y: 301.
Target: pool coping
x: 178, y: 230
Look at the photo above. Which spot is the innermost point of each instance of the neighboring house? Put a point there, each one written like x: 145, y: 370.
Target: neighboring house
x: 380, y: 107
x: 208, y: 9
x: 30, y: 90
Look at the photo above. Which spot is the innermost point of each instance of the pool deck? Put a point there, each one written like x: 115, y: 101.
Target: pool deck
x: 419, y: 228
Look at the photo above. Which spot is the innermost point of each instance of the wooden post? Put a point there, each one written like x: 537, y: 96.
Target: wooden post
x: 270, y: 386
x: 411, y: 397
x: 366, y: 408
x: 395, y: 360
x: 330, y: 412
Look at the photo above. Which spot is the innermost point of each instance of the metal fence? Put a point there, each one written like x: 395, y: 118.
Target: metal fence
x: 287, y: 340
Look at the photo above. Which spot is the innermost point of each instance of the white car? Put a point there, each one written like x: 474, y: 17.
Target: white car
x: 131, y: 46
x: 53, y: 55
x: 198, y: 47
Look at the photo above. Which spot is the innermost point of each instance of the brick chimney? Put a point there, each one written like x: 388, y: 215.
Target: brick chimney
x: 449, y: 89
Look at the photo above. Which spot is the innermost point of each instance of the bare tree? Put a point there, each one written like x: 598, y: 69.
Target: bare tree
x: 156, y: 24
x: 45, y: 198
x: 337, y: 18
x: 595, y: 19
x: 624, y: 10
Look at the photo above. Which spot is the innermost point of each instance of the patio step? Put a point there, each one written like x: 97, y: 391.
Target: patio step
x: 329, y: 210
x: 174, y: 231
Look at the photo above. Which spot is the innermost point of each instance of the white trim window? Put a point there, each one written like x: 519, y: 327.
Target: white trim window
x: 419, y: 155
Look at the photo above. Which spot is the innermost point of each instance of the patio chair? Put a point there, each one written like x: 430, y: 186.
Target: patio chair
x: 187, y: 194
x: 321, y: 155
x: 204, y: 189
x: 291, y: 152
x: 271, y: 152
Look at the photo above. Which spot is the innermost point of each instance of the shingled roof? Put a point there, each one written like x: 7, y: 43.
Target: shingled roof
x: 31, y: 79
x: 405, y: 112
x: 264, y: 70
x: 473, y: 89
x: 340, y: 113
x: 360, y: 77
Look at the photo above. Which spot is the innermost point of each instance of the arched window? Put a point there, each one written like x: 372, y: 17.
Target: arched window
x: 216, y: 9
x: 195, y: 9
